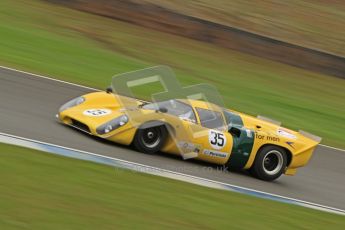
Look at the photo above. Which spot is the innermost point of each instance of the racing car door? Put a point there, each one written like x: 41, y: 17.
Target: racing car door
x: 212, y: 135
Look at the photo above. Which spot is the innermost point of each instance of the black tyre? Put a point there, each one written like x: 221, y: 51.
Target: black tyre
x: 270, y: 163
x: 150, y: 140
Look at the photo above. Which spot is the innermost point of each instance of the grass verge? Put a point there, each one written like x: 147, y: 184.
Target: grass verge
x: 88, y: 49
x: 44, y: 191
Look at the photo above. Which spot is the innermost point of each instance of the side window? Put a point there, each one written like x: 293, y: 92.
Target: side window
x: 232, y: 118
x: 210, y: 119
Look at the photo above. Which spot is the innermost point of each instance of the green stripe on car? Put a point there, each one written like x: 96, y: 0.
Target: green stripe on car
x: 242, y: 148
x: 242, y: 145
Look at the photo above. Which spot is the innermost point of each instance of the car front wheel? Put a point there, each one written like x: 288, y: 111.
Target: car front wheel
x: 150, y: 140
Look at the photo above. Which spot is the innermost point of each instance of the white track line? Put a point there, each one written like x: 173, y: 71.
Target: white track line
x: 26, y: 142
x: 338, y: 149
x: 86, y: 87
x: 48, y: 78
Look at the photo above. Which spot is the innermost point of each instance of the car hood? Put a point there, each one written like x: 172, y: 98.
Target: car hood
x: 101, y: 107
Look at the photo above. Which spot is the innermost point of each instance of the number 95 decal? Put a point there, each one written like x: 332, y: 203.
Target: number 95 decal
x: 96, y: 112
x: 217, y: 139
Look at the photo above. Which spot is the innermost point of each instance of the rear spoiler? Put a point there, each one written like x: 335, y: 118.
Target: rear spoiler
x: 310, y: 136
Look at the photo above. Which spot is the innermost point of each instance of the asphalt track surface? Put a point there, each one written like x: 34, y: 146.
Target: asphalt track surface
x: 28, y: 105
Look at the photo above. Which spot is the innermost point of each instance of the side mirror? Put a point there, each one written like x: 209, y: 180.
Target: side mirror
x: 235, y: 131
x: 162, y: 110
x: 109, y: 90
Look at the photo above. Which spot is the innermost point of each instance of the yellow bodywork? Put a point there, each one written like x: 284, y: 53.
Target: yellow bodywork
x: 188, y: 138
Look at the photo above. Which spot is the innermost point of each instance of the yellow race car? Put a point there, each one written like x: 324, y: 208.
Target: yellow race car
x: 192, y: 129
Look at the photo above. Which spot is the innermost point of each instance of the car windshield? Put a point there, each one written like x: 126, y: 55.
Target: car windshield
x: 173, y: 107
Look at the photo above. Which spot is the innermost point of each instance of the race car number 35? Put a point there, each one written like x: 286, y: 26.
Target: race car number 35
x: 96, y: 112
x: 217, y: 139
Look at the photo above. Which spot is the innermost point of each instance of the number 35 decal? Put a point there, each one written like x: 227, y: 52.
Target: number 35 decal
x: 217, y: 139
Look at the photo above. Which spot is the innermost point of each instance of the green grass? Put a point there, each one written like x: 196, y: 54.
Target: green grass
x: 89, y: 50
x: 43, y: 191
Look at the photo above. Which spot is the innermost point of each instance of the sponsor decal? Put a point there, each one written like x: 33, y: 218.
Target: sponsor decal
x: 213, y: 153
x: 285, y: 133
x: 268, y: 138
x: 97, y: 112
x: 196, y: 150
x: 216, y: 139
x: 258, y: 136
x: 187, y: 147
x: 290, y: 143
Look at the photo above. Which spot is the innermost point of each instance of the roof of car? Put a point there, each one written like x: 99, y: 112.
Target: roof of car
x: 201, y: 104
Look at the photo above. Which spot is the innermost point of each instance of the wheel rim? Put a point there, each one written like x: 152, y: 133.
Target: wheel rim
x: 272, y: 162
x: 151, y: 137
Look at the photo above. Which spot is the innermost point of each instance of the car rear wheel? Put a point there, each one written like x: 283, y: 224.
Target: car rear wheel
x: 150, y: 140
x: 270, y: 163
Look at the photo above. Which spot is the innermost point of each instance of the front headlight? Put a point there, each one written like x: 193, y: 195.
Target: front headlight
x: 112, y: 125
x: 72, y: 103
